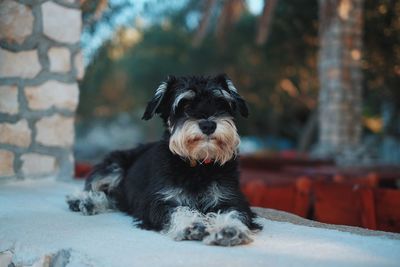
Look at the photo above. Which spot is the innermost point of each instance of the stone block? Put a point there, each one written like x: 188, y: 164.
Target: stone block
x: 37, y: 164
x: 56, y: 130
x: 79, y: 66
x: 71, y: 1
x: 60, y: 23
x: 6, y: 163
x: 16, y: 21
x: 60, y: 60
x: 9, y: 99
x: 17, y: 134
x: 53, y: 93
x: 23, y: 64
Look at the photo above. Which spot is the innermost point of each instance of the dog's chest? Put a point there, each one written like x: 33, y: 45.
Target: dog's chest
x: 204, y: 201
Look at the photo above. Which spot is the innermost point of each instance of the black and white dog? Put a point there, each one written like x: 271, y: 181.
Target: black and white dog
x: 187, y: 184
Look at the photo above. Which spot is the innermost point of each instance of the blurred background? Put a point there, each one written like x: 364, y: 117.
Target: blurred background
x: 321, y: 78
x: 268, y: 48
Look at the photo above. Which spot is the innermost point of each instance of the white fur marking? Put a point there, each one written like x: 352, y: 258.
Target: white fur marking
x: 231, y: 86
x: 181, y: 219
x: 159, y: 95
x: 218, y: 222
x: 177, y: 195
x: 209, y: 199
x: 161, y: 89
x: 222, y: 93
x: 111, y: 181
x: 213, y: 196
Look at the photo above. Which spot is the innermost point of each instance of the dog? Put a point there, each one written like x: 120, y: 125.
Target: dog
x: 187, y: 184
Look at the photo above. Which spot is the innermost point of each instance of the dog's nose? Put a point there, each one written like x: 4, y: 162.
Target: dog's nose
x: 207, y: 127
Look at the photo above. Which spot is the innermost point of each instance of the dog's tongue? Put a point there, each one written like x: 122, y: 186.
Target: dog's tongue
x: 207, y: 161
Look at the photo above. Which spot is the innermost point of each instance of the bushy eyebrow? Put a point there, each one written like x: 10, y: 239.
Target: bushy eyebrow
x: 190, y: 94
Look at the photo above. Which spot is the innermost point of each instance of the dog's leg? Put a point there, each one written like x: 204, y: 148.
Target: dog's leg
x: 95, y: 199
x: 227, y: 229
x: 101, y: 186
x: 186, y: 224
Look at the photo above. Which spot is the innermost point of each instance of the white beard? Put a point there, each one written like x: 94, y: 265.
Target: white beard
x: 189, y: 142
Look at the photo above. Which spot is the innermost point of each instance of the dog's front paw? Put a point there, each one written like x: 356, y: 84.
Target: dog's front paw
x: 228, y: 236
x: 196, y: 231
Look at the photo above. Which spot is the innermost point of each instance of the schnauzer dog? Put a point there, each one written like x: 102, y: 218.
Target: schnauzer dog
x: 187, y: 184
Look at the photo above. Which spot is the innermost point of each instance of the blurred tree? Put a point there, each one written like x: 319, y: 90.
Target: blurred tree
x: 265, y: 21
x: 381, y: 66
x: 204, y: 23
x: 92, y: 11
x: 340, y: 103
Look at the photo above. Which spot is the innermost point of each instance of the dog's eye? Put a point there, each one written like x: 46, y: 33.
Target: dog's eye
x: 184, y: 105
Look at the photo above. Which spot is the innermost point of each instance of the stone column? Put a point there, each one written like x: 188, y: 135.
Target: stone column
x: 40, y: 63
x: 340, y: 76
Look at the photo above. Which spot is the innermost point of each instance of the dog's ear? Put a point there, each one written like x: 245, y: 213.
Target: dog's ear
x: 237, y: 100
x: 153, y: 106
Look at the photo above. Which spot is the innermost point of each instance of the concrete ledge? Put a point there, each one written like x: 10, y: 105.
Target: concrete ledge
x: 37, y: 229
x: 281, y: 216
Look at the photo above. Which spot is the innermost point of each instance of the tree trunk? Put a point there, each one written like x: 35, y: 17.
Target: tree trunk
x: 340, y: 76
x: 204, y: 23
x: 264, y: 23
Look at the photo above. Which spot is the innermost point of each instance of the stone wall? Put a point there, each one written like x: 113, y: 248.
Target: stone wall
x: 40, y: 63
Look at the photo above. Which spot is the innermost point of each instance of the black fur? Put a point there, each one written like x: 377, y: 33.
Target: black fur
x: 157, y: 168
x: 151, y: 168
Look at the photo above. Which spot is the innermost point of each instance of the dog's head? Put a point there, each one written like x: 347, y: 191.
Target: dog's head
x: 199, y: 114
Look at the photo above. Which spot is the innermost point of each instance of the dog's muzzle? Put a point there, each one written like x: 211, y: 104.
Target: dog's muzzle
x: 208, y: 140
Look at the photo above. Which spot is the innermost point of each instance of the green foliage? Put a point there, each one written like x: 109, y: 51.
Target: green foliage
x: 278, y: 79
x: 382, y: 53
